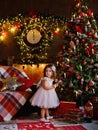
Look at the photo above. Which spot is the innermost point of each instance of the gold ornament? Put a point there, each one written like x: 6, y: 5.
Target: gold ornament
x: 10, y: 84
x: 5, y: 87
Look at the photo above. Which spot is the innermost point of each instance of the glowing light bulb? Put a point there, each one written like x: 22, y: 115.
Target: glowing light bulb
x: 57, y: 31
x: 12, y: 30
x: 1, y: 38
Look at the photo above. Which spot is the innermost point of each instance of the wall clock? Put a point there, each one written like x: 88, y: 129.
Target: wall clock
x: 33, y: 36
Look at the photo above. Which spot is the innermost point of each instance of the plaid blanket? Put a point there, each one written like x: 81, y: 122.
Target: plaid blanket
x: 11, y: 102
x: 9, y: 71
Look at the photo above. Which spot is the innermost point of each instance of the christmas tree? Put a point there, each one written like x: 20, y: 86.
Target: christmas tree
x: 78, y: 58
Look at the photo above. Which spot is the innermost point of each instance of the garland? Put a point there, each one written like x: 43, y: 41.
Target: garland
x: 47, y: 26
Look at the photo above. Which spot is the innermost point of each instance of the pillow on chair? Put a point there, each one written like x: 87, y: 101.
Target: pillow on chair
x: 27, y: 83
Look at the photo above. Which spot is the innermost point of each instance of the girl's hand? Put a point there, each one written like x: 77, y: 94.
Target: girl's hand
x: 55, y: 85
x: 56, y: 81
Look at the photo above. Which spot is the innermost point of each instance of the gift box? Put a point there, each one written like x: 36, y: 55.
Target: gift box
x: 64, y: 108
x: 76, y: 111
x: 74, y: 116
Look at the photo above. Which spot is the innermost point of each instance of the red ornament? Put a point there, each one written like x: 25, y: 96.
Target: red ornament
x: 64, y: 66
x: 71, y: 69
x: 78, y: 75
x: 78, y: 29
x: 83, y: 40
x: 68, y: 74
x: 71, y: 44
x: 91, y: 83
x: 70, y: 50
x: 81, y: 14
x: 84, y: 63
x: 94, y: 35
x: 92, y: 30
x: 87, y: 50
x: 63, y: 47
x: 90, y: 13
x: 92, y: 45
x: 90, y: 35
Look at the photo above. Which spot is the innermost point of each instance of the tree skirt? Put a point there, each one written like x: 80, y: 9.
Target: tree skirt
x: 37, y: 126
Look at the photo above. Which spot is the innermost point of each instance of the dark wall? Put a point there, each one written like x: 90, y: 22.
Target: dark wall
x: 55, y: 7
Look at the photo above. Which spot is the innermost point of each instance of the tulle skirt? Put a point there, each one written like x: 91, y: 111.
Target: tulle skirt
x: 45, y: 98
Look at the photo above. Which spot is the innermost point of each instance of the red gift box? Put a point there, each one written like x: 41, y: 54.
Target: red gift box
x: 64, y: 108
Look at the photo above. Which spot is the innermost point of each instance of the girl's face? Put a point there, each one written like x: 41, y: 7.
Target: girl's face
x: 49, y: 72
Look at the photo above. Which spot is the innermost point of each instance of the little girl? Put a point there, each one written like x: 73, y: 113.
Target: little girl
x: 46, y: 96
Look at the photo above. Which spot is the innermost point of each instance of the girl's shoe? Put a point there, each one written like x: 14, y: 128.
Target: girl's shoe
x: 49, y: 117
x: 44, y: 120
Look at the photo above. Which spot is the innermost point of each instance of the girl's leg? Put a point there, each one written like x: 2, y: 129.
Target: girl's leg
x: 42, y: 112
x: 47, y: 112
x: 47, y: 115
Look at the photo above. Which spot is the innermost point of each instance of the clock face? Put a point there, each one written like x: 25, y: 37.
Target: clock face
x: 33, y: 36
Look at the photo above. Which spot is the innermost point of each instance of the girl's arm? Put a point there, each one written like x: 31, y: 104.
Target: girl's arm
x: 46, y: 86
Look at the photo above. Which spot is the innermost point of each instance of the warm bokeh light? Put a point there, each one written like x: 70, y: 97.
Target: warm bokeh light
x: 57, y: 31
x: 13, y: 29
x: 34, y: 71
x: 3, y: 36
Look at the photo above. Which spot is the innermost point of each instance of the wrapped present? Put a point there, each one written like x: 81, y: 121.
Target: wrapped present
x: 64, y: 108
x: 76, y: 111
x: 73, y: 118
x: 75, y: 115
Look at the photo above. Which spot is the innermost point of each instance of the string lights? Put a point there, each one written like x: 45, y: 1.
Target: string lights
x: 19, y: 26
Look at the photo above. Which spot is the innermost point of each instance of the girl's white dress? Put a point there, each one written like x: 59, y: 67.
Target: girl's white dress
x: 45, y: 98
